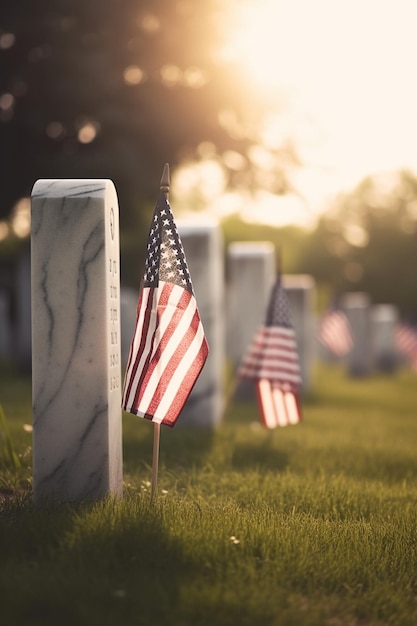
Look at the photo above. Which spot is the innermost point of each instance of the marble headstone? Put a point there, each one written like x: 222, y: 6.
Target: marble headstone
x: 203, y: 247
x: 357, y: 306
x: 250, y: 277
x: 76, y: 380
x: 384, y: 318
x: 128, y: 308
x: 301, y: 289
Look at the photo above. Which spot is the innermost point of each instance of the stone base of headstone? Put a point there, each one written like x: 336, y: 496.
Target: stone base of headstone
x: 76, y: 379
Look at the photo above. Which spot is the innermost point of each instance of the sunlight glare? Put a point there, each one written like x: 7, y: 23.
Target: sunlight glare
x: 267, y: 38
x: 348, y: 71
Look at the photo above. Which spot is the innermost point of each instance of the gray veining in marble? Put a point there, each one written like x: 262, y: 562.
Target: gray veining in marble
x: 76, y: 380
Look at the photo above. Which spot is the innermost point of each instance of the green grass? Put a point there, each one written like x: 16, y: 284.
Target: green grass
x: 309, y: 525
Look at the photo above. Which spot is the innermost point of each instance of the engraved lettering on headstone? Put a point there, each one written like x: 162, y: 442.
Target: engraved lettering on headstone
x: 114, y: 338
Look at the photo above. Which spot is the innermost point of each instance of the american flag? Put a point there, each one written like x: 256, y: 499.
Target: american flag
x: 272, y: 362
x: 405, y: 338
x: 334, y: 332
x: 169, y: 347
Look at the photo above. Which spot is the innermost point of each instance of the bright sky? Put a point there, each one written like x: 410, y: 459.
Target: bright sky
x: 350, y: 67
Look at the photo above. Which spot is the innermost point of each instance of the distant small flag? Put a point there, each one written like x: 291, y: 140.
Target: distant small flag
x: 405, y: 338
x: 334, y: 332
x: 272, y: 362
x: 169, y: 347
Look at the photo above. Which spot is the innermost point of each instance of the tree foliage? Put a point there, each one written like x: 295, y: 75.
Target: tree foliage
x: 368, y: 242
x: 116, y: 88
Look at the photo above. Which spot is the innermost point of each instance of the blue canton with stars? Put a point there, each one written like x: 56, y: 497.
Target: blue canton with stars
x: 279, y: 311
x: 165, y: 258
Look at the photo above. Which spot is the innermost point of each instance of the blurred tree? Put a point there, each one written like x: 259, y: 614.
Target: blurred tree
x: 368, y: 242
x: 116, y: 88
x: 289, y: 241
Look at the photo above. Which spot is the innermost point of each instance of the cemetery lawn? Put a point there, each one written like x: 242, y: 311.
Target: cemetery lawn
x: 310, y: 525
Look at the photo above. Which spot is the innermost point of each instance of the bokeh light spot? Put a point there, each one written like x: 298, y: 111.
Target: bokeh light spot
x: 149, y: 23
x: 21, y: 218
x: 55, y: 130
x: 6, y: 101
x: 133, y: 75
x: 171, y: 75
x: 6, y: 41
x: 4, y: 230
x: 87, y: 132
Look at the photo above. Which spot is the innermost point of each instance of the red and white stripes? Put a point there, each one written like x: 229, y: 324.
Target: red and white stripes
x: 167, y: 353
x: 273, y: 355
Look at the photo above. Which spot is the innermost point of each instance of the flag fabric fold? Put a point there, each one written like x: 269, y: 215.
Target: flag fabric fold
x: 169, y: 347
x: 334, y: 332
x: 271, y: 361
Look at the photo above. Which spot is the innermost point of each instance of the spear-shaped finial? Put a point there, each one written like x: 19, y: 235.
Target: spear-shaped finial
x: 165, y: 180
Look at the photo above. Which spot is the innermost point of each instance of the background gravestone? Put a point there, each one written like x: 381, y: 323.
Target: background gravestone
x: 300, y: 289
x: 357, y: 306
x: 128, y: 308
x: 250, y: 277
x: 76, y: 380
x: 203, y: 247
x: 384, y: 318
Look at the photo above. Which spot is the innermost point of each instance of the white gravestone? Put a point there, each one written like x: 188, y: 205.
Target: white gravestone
x: 301, y: 289
x: 357, y: 306
x: 76, y: 380
x: 128, y: 308
x: 203, y: 247
x: 250, y: 277
x: 384, y: 318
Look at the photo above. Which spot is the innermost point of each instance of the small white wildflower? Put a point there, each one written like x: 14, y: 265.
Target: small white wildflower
x: 28, y: 428
x: 234, y: 540
x: 164, y: 492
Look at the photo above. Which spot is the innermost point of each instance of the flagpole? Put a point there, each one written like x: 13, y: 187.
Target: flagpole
x: 155, y: 457
x: 164, y: 187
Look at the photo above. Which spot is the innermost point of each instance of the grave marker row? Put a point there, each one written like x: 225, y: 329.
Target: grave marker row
x: 78, y: 353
